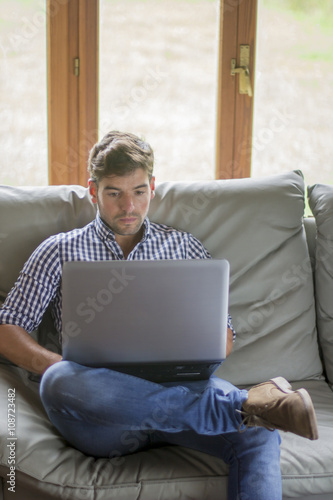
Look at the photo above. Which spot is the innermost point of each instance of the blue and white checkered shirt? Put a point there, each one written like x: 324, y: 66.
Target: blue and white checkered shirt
x: 39, y: 282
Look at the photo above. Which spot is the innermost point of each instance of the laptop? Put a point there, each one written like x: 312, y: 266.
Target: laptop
x: 162, y: 320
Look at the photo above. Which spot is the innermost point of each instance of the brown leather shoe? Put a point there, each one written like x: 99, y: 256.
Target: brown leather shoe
x: 274, y: 405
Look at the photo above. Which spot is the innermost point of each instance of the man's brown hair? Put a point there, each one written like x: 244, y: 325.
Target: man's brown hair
x: 120, y: 153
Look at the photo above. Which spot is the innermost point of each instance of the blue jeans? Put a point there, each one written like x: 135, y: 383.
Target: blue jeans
x: 105, y: 413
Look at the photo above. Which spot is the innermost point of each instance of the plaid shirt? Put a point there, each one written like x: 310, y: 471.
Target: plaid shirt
x: 39, y: 282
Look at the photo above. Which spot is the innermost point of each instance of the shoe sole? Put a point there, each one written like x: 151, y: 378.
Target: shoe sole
x: 310, y: 412
x: 284, y: 386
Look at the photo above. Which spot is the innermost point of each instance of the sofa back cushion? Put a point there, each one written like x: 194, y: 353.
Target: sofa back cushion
x: 257, y: 224
x: 321, y: 204
x: 254, y: 223
x: 28, y: 215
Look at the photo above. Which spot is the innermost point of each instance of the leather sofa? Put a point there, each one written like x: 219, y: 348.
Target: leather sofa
x: 281, y: 302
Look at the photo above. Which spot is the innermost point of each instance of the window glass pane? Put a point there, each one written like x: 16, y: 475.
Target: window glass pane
x: 293, y: 125
x: 158, y: 79
x: 23, y: 125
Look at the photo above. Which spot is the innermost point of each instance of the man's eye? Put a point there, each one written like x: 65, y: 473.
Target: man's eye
x: 139, y: 193
x: 113, y: 194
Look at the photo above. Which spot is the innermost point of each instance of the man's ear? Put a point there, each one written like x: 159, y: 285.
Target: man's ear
x: 152, y: 188
x: 93, y: 190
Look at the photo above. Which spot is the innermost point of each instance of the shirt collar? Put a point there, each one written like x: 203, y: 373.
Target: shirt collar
x: 105, y: 233
x: 147, y: 227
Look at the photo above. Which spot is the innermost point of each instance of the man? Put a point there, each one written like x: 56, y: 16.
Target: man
x: 105, y: 413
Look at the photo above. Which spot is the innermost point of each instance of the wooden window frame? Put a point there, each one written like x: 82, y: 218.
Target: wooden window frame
x: 238, y: 25
x: 73, y: 32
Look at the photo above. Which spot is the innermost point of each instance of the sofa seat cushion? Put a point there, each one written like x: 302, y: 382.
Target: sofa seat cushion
x: 45, y: 461
x: 256, y: 224
x: 307, y: 466
x: 321, y: 203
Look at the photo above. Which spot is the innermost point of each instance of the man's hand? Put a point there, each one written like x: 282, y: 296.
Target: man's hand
x: 20, y: 348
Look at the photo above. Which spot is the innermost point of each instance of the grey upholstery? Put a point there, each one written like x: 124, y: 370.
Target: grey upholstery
x: 258, y: 226
x: 321, y: 203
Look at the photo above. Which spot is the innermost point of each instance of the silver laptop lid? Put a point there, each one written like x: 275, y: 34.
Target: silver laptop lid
x: 132, y: 312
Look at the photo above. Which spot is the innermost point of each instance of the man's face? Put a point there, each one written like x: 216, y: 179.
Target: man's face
x: 123, y: 201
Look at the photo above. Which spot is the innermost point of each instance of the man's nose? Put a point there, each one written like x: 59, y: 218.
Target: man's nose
x: 127, y: 203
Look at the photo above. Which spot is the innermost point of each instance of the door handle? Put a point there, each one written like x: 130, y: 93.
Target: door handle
x: 245, y: 86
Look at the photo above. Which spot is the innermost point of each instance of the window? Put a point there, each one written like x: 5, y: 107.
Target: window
x: 160, y: 76
x: 23, y: 123
x: 293, y: 126
x: 158, y: 79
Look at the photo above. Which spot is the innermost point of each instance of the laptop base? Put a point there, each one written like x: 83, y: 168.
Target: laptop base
x: 168, y: 372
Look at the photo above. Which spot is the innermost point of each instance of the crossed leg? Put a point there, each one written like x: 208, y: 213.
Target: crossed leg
x: 105, y: 413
